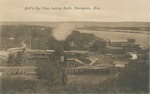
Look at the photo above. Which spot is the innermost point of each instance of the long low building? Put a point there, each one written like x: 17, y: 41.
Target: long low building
x: 120, y: 43
x: 35, y: 56
x: 39, y: 55
x: 26, y: 70
x: 30, y: 70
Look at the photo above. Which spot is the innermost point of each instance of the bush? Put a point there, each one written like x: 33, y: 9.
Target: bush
x: 134, y: 78
x: 52, y: 72
x: 13, y: 85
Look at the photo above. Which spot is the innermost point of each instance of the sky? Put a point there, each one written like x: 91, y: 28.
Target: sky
x: 110, y: 10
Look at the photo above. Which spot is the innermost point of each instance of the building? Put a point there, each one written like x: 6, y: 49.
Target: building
x: 3, y: 56
x: 117, y: 42
x: 35, y: 56
x: 25, y: 70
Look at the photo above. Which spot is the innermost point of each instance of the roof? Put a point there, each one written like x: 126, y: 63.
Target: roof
x: 120, y: 65
x: 4, y: 53
x: 14, y: 49
x: 40, y: 51
x: 112, y: 47
x: 118, y: 40
x: 91, y: 67
x: 120, y: 62
x: 17, y: 67
x: 77, y: 51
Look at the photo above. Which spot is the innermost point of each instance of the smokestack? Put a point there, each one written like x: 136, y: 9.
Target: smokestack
x: 60, y: 33
x: 59, y: 52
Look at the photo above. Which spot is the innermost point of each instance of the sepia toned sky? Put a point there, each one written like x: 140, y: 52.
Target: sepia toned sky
x: 110, y: 10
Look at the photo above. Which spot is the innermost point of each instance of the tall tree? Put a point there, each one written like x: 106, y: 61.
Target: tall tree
x: 51, y: 72
x: 21, y: 58
x: 98, y: 45
x: 11, y: 59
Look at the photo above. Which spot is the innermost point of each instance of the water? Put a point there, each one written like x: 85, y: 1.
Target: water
x: 142, y: 39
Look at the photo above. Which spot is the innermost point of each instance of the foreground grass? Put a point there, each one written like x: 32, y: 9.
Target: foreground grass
x: 108, y: 84
x: 76, y: 84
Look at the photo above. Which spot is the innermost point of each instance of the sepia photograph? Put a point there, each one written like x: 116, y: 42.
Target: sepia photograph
x: 74, y: 46
x: 74, y: 57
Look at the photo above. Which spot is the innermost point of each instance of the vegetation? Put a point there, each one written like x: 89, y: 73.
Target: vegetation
x: 13, y: 85
x: 18, y: 60
x: 134, y: 78
x: 79, y: 40
x: 11, y: 59
x: 36, y: 34
x: 41, y: 37
x: 52, y: 77
x: 52, y: 73
x: 99, y: 46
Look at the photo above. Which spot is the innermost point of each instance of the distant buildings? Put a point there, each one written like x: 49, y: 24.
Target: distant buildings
x: 120, y: 43
x: 115, y: 48
x: 36, y: 56
x: 11, y: 38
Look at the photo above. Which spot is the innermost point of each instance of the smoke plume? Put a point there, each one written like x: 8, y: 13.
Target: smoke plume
x: 23, y: 44
x: 61, y: 32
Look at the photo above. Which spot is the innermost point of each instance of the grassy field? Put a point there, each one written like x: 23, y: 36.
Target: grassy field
x: 76, y: 83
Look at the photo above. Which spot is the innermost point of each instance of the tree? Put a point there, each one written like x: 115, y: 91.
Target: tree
x: 24, y: 56
x: 134, y: 76
x: 21, y: 58
x: 54, y: 71
x: 51, y: 72
x: 18, y: 59
x: 98, y: 45
x: 79, y: 40
x: 11, y: 59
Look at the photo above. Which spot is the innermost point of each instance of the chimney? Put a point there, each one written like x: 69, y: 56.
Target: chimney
x: 59, y: 52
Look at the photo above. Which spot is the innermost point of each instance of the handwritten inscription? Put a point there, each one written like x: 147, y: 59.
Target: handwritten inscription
x: 56, y: 8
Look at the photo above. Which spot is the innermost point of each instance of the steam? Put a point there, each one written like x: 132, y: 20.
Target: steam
x: 23, y: 44
x: 61, y: 32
